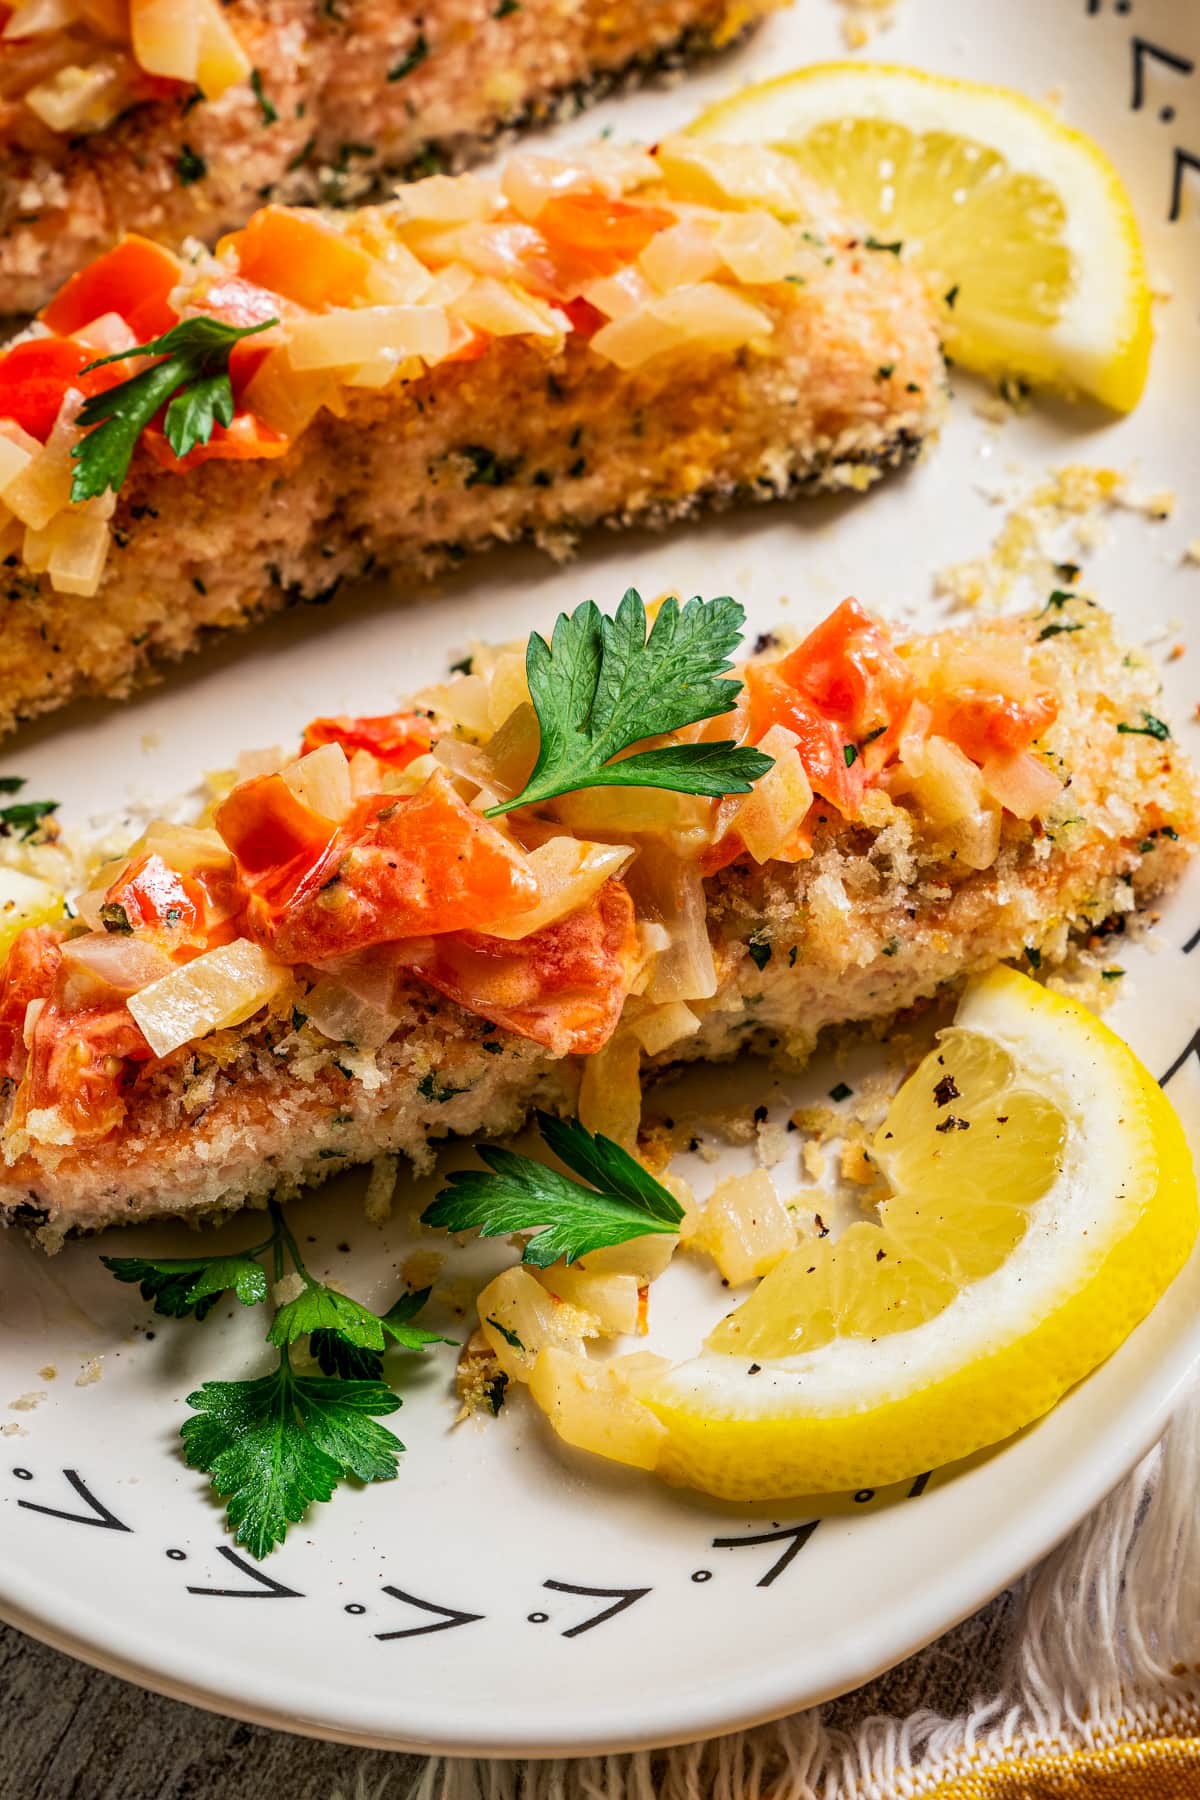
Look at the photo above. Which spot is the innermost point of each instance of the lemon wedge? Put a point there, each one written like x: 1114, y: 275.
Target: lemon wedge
x: 24, y: 900
x: 1039, y: 1198
x: 1022, y: 224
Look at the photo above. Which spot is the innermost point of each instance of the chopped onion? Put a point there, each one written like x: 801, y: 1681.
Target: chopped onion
x: 492, y: 305
x: 106, y: 335
x: 72, y: 549
x: 756, y: 247
x: 107, y: 964
x: 220, y: 989
x: 463, y: 702
x: 569, y: 873
x: 738, y: 174
x: 612, y: 1300
x: 949, y: 790
x: 350, y: 336
x: 705, y: 316
x: 528, y: 181
x: 445, y: 200
x: 671, y: 893
x: 252, y: 763
x: 591, y: 1407
x: 610, y: 1094
x: 287, y: 399
x: 660, y: 1027
x: 30, y: 18
x: 81, y: 97
x: 449, y: 285
x: 321, y: 781
x: 620, y: 294
x: 43, y: 487
x: 767, y: 819
x: 1022, y: 783
x: 746, y: 1228
x: 508, y: 686
x: 166, y: 37
x: 530, y: 1316
x: 513, y: 750
x: 346, y: 1017
x: 682, y: 254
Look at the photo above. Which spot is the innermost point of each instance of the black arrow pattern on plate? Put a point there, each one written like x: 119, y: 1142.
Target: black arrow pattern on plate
x: 266, y: 1588
x: 795, y: 1536
x: 622, y: 1598
x: 449, y: 1617
x: 97, y: 1515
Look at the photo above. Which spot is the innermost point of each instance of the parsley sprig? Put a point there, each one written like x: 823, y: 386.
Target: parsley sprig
x: 615, y: 1199
x: 603, y: 685
x: 192, y: 381
x: 277, y: 1442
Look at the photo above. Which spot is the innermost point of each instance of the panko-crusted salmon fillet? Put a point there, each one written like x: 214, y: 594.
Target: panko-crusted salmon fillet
x: 178, y: 121
x: 619, y: 338
x: 404, y: 934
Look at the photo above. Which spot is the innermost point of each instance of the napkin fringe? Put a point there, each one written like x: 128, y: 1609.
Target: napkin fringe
x: 1107, y: 1649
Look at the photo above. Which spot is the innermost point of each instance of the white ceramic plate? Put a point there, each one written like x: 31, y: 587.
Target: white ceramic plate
x: 504, y: 1595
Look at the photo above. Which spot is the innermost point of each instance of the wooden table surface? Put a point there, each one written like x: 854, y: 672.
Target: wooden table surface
x: 71, y: 1733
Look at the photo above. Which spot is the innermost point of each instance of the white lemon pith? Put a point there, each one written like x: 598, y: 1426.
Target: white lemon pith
x: 25, y: 900
x: 1022, y: 221
x: 1041, y: 1198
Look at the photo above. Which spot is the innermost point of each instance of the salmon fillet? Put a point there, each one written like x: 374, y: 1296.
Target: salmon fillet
x: 884, y: 915
x: 344, y: 97
x: 533, y: 426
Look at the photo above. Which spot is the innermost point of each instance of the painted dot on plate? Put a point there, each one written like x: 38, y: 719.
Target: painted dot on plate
x: 863, y: 1495
x: 1124, y: 6
x: 537, y: 1618
x: 177, y: 1555
x: 701, y: 1574
x: 23, y: 1474
x: 355, y: 1608
x: 1166, y: 114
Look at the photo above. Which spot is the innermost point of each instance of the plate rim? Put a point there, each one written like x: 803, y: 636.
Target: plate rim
x: 903, y: 1629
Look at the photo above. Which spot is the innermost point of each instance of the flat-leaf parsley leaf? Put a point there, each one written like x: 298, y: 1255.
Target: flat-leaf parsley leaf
x: 192, y: 380
x: 602, y: 685
x: 521, y: 1194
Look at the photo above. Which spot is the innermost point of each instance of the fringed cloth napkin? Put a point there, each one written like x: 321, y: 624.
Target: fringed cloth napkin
x: 1100, y: 1701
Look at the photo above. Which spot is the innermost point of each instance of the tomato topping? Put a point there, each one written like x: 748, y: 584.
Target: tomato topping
x: 80, y: 1064
x: 563, y: 986
x: 585, y: 318
x: 986, y: 724
x: 397, y: 868
x: 242, y: 303
x: 186, y: 913
x: 276, y: 839
x: 28, y: 974
x: 134, y: 280
x: 608, y: 232
x: 296, y: 255
x: 34, y: 376
x: 392, y: 738
x: 845, y: 693
x: 246, y: 440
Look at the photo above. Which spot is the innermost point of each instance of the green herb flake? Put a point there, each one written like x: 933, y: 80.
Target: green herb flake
x: 415, y: 57
x: 893, y: 248
x: 884, y: 371
x: 1034, y: 955
x: 11, y: 784
x: 190, y: 167
x: 1150, y: 727
x: 850, y: 752
x: 1111, y: 974
x: 891, y: 947
x: 760, y: 952
x: 951, y: 296
x: 25, y: 817
x: 269, y: 114
x: 1049, y: 631
x: 510, y: 1337
x: 841, y: 1092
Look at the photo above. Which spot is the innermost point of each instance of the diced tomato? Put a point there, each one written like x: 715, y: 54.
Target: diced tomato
x: 563, y: 986
x: 846, y: 667
x: 34, y: 376
x: 845, y: 693
x: 247, y: 439
x: 986, y: 724
x: 585, y: 318
x: 133, y: 279
x: 296, y: 255
x: 392, y: 738
x: 240, y: 302
x: 28, y: 974
x: 82, y: 1063
x: 608, y: 232
x: 274, y: 836
x: 186, y: 913
x: 398, y: 868
x: 822, y: 743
